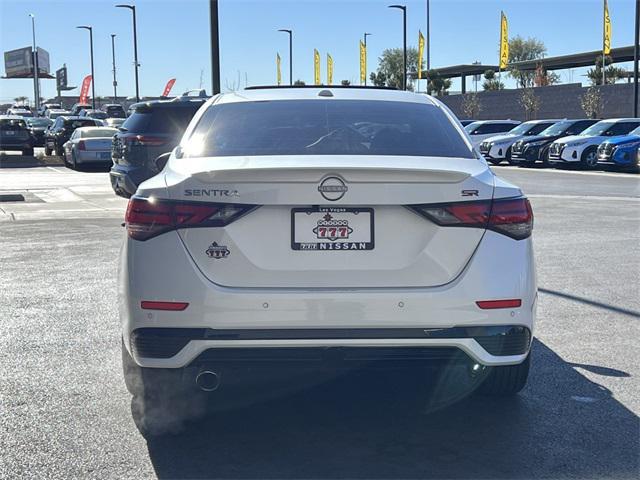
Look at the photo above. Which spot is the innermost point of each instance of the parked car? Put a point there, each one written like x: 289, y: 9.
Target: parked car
x: 530, y: 150
x: 15, y: 135
x: 582, y: 150
x: 89, y: 145
x: 54, y: 113
x: 498, y: 148
x: 114, y: 122
x: 20, y: 112
x: 62, y: 129
x: 42, y: 111
x: 99, y: 114
x: 37, y: 128
x: 152, y: 129
x: 464, y: 123
x: 114, y: 110
x: 483, y: 129
x: 78, y: 107
x: 621, y: 151
x: 199, y: 276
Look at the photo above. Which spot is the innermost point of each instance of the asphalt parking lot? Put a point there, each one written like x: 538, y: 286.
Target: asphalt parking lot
x: 65, y: 412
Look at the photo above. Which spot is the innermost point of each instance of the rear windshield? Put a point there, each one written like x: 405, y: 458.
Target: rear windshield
x: 166, y: 120
x: 99, y: 133
x: 12, y: 124
x: 79, y: 123
x: 39, y: 122
x: 97, y: 114
x: 115, y: 111
x: 326, y: 127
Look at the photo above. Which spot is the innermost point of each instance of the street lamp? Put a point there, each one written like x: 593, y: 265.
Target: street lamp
x: 113, y: 56
x: 93, y: 78
x: 290, y: 53
x: 365, y: 55
x: 135, y: 45
x: 36, y: 86
x: 404, y: 49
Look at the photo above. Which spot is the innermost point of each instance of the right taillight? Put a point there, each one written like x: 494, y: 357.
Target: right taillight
x: 510, y: 216
x: 149, y: 217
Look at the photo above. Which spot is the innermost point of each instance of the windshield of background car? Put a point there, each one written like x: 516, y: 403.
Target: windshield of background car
x: 39, y: 122
x: 99, y: 133
x: 12, y: 124
x: 163, y: 120
x: 556, y: 129
x: 472, y: 126
x: 621, y: 128
x: 597, y: 129
x: 326, y: 127
x: 73, y: 124
x: 115, y: 112
x: 98, y: 114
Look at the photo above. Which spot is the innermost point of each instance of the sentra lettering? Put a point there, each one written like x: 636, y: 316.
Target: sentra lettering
x: 208, y: 192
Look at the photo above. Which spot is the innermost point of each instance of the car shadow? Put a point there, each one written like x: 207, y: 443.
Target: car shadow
x: 379, y: 426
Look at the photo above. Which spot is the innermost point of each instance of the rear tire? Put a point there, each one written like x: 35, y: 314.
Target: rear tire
x: 544, y: 157
x: 28, y: 152
x: 47, y: 151
x: 506, y: 380
x: 495, y: 161
x: 508, y: 157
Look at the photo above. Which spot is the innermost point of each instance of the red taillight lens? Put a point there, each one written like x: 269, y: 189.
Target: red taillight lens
x: 145, y: 140
x: 493, y: 304
x: 512, y: 216
x: 82, y: 145
x: 147, y: 217
x: 168, y: 306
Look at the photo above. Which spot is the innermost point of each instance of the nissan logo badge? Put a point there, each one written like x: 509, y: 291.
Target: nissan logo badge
x: 332, y: 189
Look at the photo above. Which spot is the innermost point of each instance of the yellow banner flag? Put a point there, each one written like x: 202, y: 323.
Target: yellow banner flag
x: 316, y: 67
x: 606, y: 45
x: 363, y: 63
x: 278, y: 69
x: 329, y: 70
x: 420, y: 53
x: 504, y: 41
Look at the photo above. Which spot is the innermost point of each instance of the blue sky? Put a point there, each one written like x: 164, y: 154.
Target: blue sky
x: 173, y: 37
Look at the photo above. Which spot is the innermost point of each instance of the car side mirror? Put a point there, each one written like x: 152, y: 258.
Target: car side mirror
x: 162, y: 160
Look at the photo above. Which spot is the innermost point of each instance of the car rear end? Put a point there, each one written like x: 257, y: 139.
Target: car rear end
x: 94, y: 145
x: 14, y: 134
x: 152, y: 129
x: 354, y: 230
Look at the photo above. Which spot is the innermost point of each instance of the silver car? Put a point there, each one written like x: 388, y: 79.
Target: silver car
x: 89, y: 145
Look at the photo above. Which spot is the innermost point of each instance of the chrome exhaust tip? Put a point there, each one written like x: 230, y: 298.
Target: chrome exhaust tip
x: 208, y: 381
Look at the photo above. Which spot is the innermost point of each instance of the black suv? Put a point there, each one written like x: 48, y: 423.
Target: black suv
x: 15, y: 135
x: 38, y: 127
x: 58, y: 134
x: 153, y: 128
x: 529, y: 150
x: 114, y: 110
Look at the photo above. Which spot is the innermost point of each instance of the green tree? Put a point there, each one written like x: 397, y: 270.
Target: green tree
x: 591, y: 102
x: 389, y: 71
x: 613, y: 74
x: 491, y: 82
x: 436, y: 84
x: 22, y: 99
x: 345, y: 83
x: 521, y: 49
x: 299, y: 82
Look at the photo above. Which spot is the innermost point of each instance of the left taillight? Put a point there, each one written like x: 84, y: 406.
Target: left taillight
x: 510, y: 216
x: 149, y: 217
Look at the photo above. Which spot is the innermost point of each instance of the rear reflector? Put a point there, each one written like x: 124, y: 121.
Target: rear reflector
x: 171, y: 306
x: 148, y: 217
x: 511, y: 216
x: 492, y: 304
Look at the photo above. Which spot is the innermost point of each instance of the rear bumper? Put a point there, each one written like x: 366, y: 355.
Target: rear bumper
x: 230, y: 316
x: 92, y: 156
x: 20, y: 145
x: 125, y: 179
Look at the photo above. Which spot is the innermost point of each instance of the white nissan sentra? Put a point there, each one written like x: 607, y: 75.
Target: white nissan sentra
x: 341, y: 226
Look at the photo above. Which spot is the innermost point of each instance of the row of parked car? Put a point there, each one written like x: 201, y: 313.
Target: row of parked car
x: 553, y: 142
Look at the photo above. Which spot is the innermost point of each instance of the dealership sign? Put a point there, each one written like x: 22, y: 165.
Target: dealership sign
x: 19, y: 63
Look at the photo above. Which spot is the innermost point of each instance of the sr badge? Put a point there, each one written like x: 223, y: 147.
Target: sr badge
x: 217, y: 251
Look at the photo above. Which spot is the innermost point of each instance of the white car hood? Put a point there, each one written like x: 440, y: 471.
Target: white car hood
x: 596, y: 140
x: 504, y: 138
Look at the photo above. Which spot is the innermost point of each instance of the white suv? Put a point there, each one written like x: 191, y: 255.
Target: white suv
x: 324, y: 226
x: 482, y: 129
x: 582, y: 149
x: 498, y: 148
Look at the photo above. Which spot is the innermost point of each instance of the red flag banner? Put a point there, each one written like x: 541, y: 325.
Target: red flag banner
x: 84, y: 90
x: 168, y: 87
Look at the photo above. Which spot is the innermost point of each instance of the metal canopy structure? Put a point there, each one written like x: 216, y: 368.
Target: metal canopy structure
x: 562, y: 62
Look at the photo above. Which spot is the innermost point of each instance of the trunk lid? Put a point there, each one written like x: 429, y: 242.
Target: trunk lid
x: 330, y: 221
x: 101, y: 144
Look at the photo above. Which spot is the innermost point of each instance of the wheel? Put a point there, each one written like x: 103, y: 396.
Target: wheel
x: 508, y: 157
x: 589, y: 158
x: 544, y: 156
x: 74, y: 160
x: 506, y: 380
x: 495, y: 161
x: 28, y: 152
x: 47, y: 150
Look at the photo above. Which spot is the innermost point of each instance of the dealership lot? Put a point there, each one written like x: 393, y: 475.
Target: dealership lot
x: 66, y: 413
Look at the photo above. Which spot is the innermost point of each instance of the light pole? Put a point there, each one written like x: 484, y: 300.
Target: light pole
x: 113, y: 56
x: 428, y: 39
x: 404, y: 48
x: 135, y: 46
x: 36, y: 85
x: 365, y: 55
x: 636, y: 48
x: 93, y: 77
x: 214, y: 27
x: 290, y: 53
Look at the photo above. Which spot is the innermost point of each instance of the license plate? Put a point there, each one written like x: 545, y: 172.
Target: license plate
x: 332, y: 228
x: 104, y: 156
